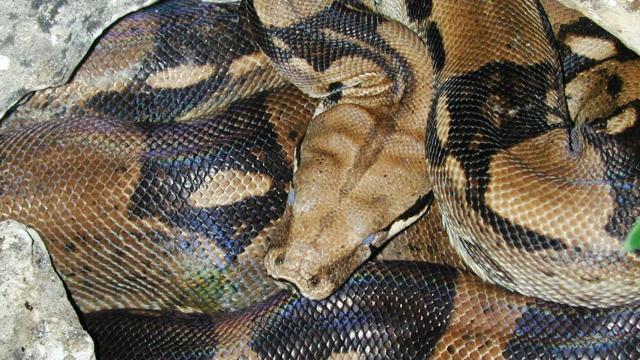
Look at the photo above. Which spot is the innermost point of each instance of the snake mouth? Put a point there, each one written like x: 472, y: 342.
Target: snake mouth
x: 299, y: 275
x: 312, y: 274
x: 313, y: 287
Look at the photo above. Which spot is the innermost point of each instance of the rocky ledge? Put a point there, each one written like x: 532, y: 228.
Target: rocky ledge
x: 38, y: 322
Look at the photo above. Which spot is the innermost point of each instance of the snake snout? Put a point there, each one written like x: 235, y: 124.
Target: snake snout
x: 298, y: 268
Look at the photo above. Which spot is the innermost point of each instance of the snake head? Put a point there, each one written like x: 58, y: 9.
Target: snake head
x: 317, y: 252
x: 318, y: 259
x: 350, y: 195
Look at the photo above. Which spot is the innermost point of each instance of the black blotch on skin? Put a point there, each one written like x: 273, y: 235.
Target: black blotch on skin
x: 418, y: 10
x: 521, y: 237
x: 70, y: 247
x: 380, y: 300
x: 292, y: 135
x: 181, y: 156
x: 405, y: 304
x: 572, y: 63
x: 583, y: 27
x: 614, y: 85
x: 436, y: 47
x: 301, y: 39
x: 490, y: 102
x: 298, y: 152
x: 335, y: 92
x: 620, y: 155
x: 587, y: 28
x: 118, y: 334
x: 493, y: 269
x: 423, y: 202
x: 189, y: 33
x: 551, y: 331
x: 308, y: 40
x: 436, y: 151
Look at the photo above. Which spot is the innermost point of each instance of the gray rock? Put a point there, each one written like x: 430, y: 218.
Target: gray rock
x: 41, y: 41
x: 37, y: 319
x: 619, y: 17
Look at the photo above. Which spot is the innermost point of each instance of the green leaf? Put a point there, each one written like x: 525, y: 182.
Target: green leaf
x: 633, y: 238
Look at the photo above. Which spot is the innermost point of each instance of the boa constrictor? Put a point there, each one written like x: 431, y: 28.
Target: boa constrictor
x: 162, y: 181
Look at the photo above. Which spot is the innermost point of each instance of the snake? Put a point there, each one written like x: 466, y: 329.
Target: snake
x: 340, y: 179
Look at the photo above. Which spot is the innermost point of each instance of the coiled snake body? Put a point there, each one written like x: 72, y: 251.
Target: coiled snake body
x: 494, y: 146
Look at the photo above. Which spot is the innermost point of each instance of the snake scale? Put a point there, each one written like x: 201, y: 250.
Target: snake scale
x: 483, y: 154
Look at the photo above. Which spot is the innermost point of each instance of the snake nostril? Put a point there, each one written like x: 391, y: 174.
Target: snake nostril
x: 314, y: 280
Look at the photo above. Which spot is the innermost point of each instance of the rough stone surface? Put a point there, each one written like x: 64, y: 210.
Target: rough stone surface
x: 619, y: 17
x: 37, y: 321
x: 41, y: 41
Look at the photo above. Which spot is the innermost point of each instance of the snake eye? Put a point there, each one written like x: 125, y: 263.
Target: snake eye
x: 279, y: 260
x: 314, y: 280
x: 291, y: 197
